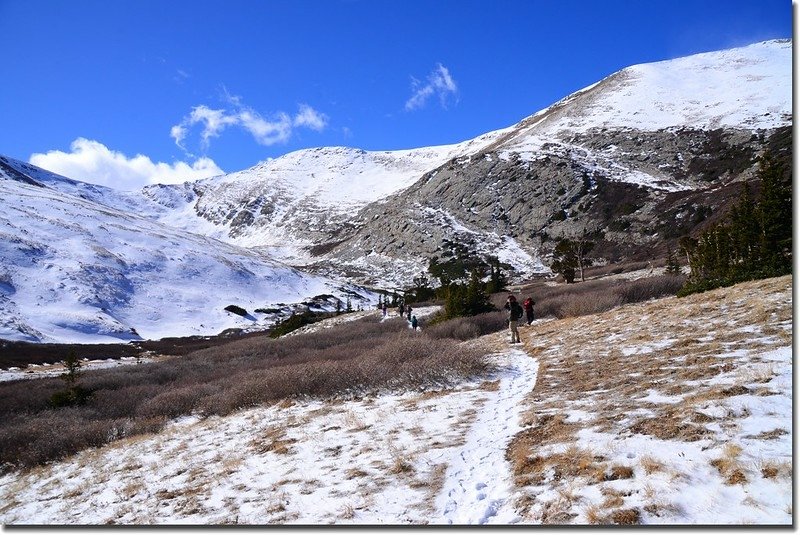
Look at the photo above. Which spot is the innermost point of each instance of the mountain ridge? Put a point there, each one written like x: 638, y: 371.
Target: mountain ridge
x: 646, y: 155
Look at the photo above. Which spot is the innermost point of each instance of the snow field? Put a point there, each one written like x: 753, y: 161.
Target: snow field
x: 394, y: 459
x: 693, y: 428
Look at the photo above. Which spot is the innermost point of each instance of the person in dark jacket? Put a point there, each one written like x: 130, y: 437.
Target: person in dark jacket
x: 514, y: 314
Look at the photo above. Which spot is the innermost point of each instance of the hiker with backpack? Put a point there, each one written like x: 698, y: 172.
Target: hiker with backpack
x: 514, y: 314
x: 528, y: 306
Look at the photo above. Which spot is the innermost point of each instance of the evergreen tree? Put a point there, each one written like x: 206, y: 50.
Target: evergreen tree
x: 74, y: 394
x: 455, y: 301
x: 497, y: 279
x: 672, y: 268
x: 564, y: 260
x: 754, y: 242
x: 476, y: 300
x: 775, y: 218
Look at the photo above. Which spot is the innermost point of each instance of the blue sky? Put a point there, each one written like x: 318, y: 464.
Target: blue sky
x: 127, y: 92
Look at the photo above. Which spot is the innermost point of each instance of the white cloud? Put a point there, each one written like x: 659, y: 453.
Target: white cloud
x: 91, y: 161
x: 311, y: 118
x: 439, y: 83
x: 278, y: 129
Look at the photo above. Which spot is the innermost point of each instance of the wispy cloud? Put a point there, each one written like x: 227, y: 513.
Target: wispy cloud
x: 265, y: 131
x: 91, y: 161
x: 439, y: 83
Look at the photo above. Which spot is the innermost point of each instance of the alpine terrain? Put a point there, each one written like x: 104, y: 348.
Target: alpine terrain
x: 617, y: 403
x: 636, y: 161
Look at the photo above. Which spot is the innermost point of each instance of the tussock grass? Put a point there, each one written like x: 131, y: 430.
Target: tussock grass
x: 469, y: 327
x: 604, y: 364
x: 595, y: 296
x: 364, y: 358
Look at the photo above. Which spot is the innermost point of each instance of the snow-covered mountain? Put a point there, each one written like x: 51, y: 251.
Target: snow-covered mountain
x: 291, y: 203
x: 76, y: 269
x: 613, y: 157
x: 639, y: 159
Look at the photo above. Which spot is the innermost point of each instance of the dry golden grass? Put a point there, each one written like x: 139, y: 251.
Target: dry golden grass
x: 651, y: 465
x: 273, y: 440
x: 620, y: 472
x: 401, y: 464
x: 771, y: 469
x: 558, y: 512
x: 595, y: 515
x: 729, y: 465
x: 626, y: 517
x: 602, y: 364
x: 348, y: 512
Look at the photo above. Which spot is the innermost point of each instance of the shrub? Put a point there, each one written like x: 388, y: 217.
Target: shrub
x: 365, y: 356
x: 236, y: 310
x: 595, y: 296
x: 469, y: 327
x: 295, y: 321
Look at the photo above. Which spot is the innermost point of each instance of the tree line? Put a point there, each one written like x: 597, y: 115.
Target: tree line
x: 754, y: 241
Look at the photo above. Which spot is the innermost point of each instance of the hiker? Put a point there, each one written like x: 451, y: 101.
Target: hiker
x: 414, y: 322
x: 408, y: 310
x: 514, y: 314
x: 384, y: 310
x: 528, y: 306
x: 402, y: 309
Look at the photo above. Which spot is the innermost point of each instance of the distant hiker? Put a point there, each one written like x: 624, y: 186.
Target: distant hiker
x: 528, y: 306
x: 514, y: 314
x: 402, y: 309
x: 408, y: 311
x: 384, y: 310
x: 414, y: 322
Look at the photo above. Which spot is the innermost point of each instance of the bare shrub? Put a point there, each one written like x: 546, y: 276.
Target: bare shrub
x: 365, y: 356
x: 582, y: 305
x: 54, y: 435
x: 467, y: 328
x: 626, y: 517
x: 174, y: 402
x: 456, y: 328
x: 595, y: 296
x: 647, y: 288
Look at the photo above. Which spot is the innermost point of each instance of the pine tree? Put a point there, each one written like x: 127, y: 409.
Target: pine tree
x: 497, y: 279
x: 455, y: 301
x: 775, y: 218
x: 73, y: 394
x: 754, y: 242
x: 476, y: 300
x: 673, y: 268
x: 564, y: 260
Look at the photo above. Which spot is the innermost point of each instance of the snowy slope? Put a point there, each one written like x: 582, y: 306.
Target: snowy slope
x: 73, y: 270
x: 300, y: 199
x: 447, y: 457
x: 748, y: 87
x: 60, y: 234
x: 285, y: 203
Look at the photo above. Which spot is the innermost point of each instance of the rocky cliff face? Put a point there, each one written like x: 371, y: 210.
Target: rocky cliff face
x: 641, y: 158
x: 503, y: 203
